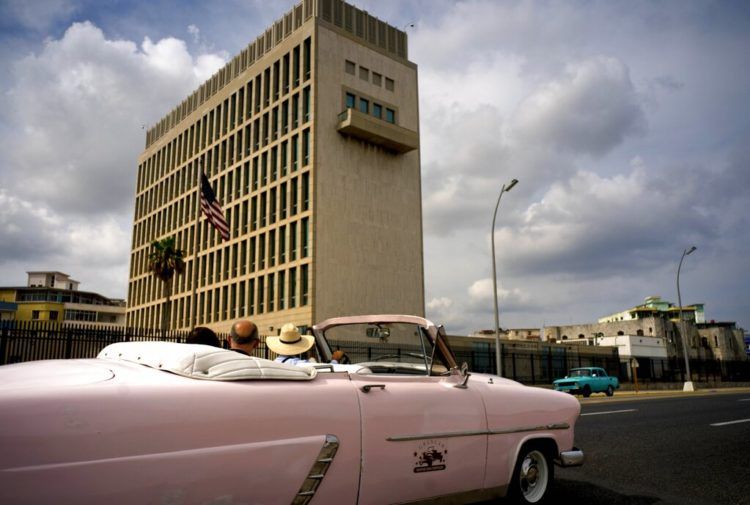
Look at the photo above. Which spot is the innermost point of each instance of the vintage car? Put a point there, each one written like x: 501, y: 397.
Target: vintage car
x: 170, y: 423
x: 587, y: 380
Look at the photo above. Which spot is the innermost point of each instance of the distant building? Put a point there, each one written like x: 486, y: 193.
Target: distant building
x: 653, y: 327
x: 54, y: 297
x: 655, y: 306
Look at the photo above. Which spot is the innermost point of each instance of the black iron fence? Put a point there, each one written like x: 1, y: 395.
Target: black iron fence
x: 26, y: 341
x: 537, y: 366
x: 34, y: 340
x: 673, y: 370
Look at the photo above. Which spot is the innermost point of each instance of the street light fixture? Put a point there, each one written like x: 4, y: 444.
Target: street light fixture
x: 498, y: 366
x: 688, y: 379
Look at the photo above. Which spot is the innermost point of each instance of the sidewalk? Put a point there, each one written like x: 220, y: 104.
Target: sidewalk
x: 665, y: 393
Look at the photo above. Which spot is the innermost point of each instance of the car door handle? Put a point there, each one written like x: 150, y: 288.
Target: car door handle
x: 367, y: 387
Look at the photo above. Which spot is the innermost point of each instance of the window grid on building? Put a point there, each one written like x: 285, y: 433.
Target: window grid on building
x: 255, y: 148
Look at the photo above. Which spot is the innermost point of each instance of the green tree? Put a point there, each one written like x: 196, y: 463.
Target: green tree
x: 164, y: 261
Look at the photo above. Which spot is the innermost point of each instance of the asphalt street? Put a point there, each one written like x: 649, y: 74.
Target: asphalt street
x: 682, y: 450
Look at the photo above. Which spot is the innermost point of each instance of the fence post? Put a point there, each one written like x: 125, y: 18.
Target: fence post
x: 533, y: 372
x: 68, y: 342
x: 3, y: 344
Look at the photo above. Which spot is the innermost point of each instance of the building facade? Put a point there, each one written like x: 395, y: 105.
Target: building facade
x: 709, y: 340
x: 655, y: 306
x: 310, y: 139
x: 54, y: 297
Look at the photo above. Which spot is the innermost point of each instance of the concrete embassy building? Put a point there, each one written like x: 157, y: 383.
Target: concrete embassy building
x: 310, y: 139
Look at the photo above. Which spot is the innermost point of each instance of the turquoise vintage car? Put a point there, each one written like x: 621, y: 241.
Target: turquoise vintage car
x: 587, y: 380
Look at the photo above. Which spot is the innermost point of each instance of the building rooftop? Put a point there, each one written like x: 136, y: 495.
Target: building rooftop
x: 357, y: 22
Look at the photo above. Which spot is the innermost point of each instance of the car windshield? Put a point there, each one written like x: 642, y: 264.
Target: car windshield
x: 384, y: 347
x: 579, y: 373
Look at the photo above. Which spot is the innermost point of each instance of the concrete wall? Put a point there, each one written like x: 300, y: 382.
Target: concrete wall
x: 368, y: 214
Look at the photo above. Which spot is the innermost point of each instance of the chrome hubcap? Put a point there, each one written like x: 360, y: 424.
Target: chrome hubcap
x: 533, y: 476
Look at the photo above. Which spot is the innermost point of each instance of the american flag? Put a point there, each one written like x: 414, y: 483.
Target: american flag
x: 211, y: 207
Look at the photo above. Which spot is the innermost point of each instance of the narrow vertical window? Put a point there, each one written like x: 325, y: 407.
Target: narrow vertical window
x: 295, y: 110
x: 284, y: 165
x: 282, y: 245
x: 292, y: 288
x: 281, y: 285
x: 261, y: 294
x: 306, y: 191
x: 306, y: 56
x: 241, y: 299
x: 306, y: 104
x: 252, y: 253
x: 293, y: 241
x: 364, y: 105
x: 304, y: 285
x: 306, y: 147
x: 295, y: 67
x: 251, y: 297
x: 270, y: 293
x: 305, y: 239
x: 293, y: 196
x: 282, y: 200
x: 262, y: 251
x: 350, y: 100
x: 295, y: 154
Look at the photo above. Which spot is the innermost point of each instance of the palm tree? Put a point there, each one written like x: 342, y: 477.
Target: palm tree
x: 164, y: 261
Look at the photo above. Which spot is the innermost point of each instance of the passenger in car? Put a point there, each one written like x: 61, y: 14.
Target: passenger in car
x: 243, y: 337
x: 203, y: 335
x: 292, y: 347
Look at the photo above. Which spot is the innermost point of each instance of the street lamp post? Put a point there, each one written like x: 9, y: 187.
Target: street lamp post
x: 688, y: 379
x: 498, y: 366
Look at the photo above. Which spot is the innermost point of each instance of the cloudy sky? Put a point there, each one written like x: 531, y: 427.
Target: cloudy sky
x: 627, y: 124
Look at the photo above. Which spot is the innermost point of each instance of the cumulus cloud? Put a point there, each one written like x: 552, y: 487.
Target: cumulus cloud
x: 77, y: 110
x: 589, y: 110
x: 75, y: 122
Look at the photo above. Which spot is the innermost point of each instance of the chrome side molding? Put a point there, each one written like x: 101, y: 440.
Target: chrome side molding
x: 318, y: 471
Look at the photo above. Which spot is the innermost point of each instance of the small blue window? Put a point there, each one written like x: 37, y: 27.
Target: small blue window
x: 350, y: 101
x: 390, y: 115
x: 364, y: 105
x: 377, y: 110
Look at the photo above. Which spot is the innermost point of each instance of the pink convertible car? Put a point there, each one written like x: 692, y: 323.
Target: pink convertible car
x: 166, y: 423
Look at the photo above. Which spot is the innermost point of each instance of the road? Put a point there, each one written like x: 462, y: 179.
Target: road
x: 684, y: 450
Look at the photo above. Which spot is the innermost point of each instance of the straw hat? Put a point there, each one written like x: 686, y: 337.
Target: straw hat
x: 290, y: 342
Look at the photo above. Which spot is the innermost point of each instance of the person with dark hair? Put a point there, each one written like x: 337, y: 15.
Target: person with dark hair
x: 203, y: 335
x: 243, y: 337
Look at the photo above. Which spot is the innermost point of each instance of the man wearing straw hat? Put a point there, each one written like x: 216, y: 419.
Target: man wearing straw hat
x: 290, y: 346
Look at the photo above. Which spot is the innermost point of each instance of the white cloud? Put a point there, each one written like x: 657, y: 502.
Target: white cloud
x: 74, y: 123
x: 437, y: 304
x: 588, y: 110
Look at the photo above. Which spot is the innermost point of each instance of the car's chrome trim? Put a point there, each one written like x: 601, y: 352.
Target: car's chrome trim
x: 573, y: 457
x: 318, y: 471
x: 473, y: 433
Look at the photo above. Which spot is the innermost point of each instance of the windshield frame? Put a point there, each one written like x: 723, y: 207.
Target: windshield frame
x: 429, y: 329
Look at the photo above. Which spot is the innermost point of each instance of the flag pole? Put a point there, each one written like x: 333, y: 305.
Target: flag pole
x: 196, y: 243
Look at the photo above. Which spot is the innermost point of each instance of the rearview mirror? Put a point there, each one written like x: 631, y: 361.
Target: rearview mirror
x: 378, y: 332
